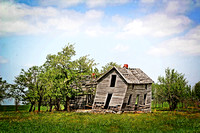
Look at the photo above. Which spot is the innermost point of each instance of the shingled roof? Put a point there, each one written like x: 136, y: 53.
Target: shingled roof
x: 131, y: 75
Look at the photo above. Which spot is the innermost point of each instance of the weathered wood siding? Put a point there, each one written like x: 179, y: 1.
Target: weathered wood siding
x: 103, y: 89
x: 141, y: 90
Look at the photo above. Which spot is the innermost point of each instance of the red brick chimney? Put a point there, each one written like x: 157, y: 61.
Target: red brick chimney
x: 126, y: 66
x: 93, y: 75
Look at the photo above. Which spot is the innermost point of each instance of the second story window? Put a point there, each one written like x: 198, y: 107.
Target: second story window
x: 113, y: 80
x: 146, y: 86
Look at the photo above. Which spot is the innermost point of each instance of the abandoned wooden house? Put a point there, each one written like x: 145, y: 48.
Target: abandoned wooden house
x: 84, y: 98
x: 123, y: 89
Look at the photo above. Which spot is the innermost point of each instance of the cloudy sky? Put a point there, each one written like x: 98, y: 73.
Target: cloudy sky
x: 147, y: 34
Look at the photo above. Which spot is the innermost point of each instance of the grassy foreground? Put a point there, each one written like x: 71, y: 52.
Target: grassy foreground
x: 158, y: 121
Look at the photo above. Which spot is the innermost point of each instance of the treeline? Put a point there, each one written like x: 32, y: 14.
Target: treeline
x: 173, y: 88
x: 54, y: 83
x: 60, y: 78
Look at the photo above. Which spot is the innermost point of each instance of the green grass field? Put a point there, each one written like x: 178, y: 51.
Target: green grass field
x: 157, y: 121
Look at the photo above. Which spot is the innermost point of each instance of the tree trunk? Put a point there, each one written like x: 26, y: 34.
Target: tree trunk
x: 39, y: 103
x: 185, y: 105
x: 31, y: 107
x: 50, y: 105
x: 50, y: 108
x: 67, y: 107
x: 34, y: 108
x: 173, y: 105
x: 58, y: 104
x: 170, y: 106
x: 16, y: 107
x: 16, y: 104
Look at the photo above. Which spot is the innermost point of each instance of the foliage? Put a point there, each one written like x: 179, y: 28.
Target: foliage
x: 3, y: 87
x: 172, y: 88
x: 108, y: 66
x: 55, y: 82
x: 6, y: 108
x: 158, y: 121
x: 28, y: 86
x: 197, y: 90
x: 68, y: 73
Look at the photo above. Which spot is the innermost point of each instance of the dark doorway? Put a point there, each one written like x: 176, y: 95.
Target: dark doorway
x: 108, y: 101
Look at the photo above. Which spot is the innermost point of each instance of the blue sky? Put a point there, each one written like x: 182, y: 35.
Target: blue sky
x: 147, y: 34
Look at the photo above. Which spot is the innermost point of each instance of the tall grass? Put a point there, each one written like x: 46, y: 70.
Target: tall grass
x: 158, y: 121
x: 20, y: 108
x: 154, y: 105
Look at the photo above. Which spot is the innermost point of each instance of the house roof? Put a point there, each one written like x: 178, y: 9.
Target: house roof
x: 131, y: 75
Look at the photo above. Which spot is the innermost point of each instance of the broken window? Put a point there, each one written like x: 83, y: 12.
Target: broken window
x: 145, y: 96
x: 113, y: 80
x: 146, y: 87
x: 129, y: 99
x: 137, y: 100
x: 133, y: 86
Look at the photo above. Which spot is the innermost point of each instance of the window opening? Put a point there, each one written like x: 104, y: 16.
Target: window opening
x: 145, y: 96
x: 146, y: 87
x: 137, y: 100
x: 133, y: 86
x: 129, y: 99
x: 113, y: 80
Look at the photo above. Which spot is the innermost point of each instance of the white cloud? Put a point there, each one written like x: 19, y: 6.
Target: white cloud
x: 3, y: 60
x: 147, y: 1
x: 28, y: 65
x: 89, y: 3
x: 94, y: 15
x: 119, y: 20
x: 94, y: 31
x: 185, y: 45
x: 157, y: 25
x: 97, y: 30
x: 177, y: 6
x: 60, y: 3
x: 22, y: 19
x: 97, y: 3
x: 121, y: 48
x: 197, y: 3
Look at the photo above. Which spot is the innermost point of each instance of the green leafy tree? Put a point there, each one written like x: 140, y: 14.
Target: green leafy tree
x: 28, y: 83
x: 3, y: 87
x: 108, y: 66
x: 17, y: 94
x: 69, y: 72
x: 41, y: 85
x: 55, y: 82
x: 63, y: 65
x: 157, y: 94
x: 53, y: 94
x: 171, y: 88
x: 197, y: 90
